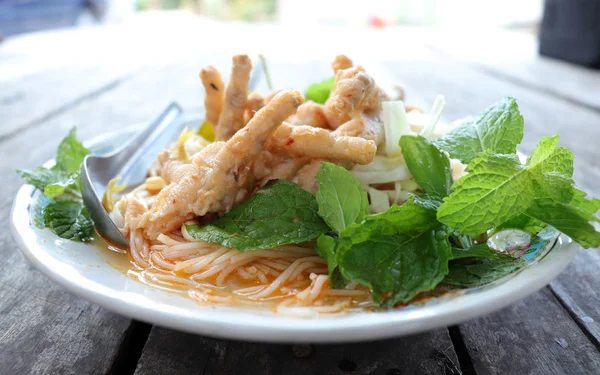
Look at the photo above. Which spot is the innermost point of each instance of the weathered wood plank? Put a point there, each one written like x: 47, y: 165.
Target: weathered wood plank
x: 27, y: 102
x: 43, y: 329
x: 578, y: 288
x: 513, y: 56
x: 534, y: 336
x: 180, y: 353
x: 37, y: 84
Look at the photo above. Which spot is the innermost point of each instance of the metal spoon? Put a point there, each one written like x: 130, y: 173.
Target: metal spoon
x: 130, y: 164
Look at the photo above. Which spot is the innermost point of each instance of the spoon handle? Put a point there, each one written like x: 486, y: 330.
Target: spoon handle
x: 139, y: 154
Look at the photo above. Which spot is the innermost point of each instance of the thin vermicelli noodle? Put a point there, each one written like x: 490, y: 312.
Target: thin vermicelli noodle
x: 290, y: 278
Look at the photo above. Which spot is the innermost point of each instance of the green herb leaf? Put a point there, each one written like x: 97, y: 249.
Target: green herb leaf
x: 586, y: 206
x: 499, y: 129
x: 551, y: 170
x: 415, y: 216
x: 429, y: 166
x: 70, y: 154
x: 399, y: 264
x: 477, y: 251
x: 41, y: 177
x: 326, y: 247
x: 573, y: 219
x: 67, y: 187
x: 319, y: 92
x: 280, y: 213
x: 556, y: 201
x: 548, y: 157
x: 70, y: 220
x: 479, y: 271
x: 341, y: 199
x: 496, y: 189
x: 53, y: 182
x: 397, y: 252
x: 523, y: 222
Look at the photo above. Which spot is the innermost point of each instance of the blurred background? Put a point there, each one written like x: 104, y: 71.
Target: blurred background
x: 566, y: 29
x: 56, y: 53
x: 22, y: 16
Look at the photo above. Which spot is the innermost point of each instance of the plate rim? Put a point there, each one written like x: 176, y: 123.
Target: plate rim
x: 246, y: 325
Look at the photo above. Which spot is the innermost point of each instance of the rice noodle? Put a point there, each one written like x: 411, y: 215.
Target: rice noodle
x: 291, y: 279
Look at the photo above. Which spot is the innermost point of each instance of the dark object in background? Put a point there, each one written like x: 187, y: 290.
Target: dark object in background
x: 570, y: 31
x: 19, y: 16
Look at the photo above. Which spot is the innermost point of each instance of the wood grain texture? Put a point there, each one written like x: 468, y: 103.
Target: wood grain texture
x: 578, y: 289
x: 28, y: 102
x: 428, y: 353
x: 534, y: 336
x: 514, y: 57
x: 43, y: 329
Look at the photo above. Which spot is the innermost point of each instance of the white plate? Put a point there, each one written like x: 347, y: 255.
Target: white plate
x: 85, y: 270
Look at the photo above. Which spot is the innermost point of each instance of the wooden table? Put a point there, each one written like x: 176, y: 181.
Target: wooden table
x: 104, y: 79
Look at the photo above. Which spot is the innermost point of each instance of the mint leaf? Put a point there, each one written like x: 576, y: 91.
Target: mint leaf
x: 280, y: 213
x: 70, y: 220
x: 479, y: 271
x: 551, y: 169
x: 572, y: 219
x: 53, y: 182
x: 477, y: 251
x: 341, y: 199
x: 398, y: 251
x: 523, y: 222
x: 429, y: 166
x: 587, y: 206
x: 68, y: 187
x: 414, y: 217
x: 326, y: 247
x: 496, y: 189
x: 548, y: 157
x: 554, y: 186
x: 400, y: 264
x: 556, y: 201
x: 70, y: 154
x: 319, y: 92
x: 41, y: 177
x: 499, y: 129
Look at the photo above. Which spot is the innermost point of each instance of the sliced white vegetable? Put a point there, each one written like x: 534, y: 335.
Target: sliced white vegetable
x: 380, y: 201
x: 417, y: 120
x: 397, y: 197
x: 436, y: 112
x: 395, y: 124
x: 409, y: 185
x: 381, y: 163
x: 381, y: 177
x: 397, y: 190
